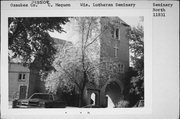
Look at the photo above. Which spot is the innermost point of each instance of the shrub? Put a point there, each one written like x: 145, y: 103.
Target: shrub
x: 122, y: 103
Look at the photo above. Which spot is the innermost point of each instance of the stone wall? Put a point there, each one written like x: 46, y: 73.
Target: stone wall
x: 108, y: 43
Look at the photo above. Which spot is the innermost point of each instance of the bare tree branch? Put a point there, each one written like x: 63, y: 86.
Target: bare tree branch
x: 88, y: 31
x: 95, y: 38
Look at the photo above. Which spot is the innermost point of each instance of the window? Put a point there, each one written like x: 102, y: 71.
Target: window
x: 115, y: 33
x: 121, y: 68
x: 115, y: 51
x: 22, y: 77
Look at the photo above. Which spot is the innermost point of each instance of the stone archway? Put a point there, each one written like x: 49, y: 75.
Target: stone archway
x: 114, y: 92
x: 95, y: 94
x: 93, y: 98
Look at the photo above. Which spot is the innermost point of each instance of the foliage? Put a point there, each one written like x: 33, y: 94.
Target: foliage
x: 78, y: 64
x: 137, y: 85
x: 128, y: 75
x: 137, y: 47
x: 122, y: 103
x: 136, y: 78
x: 29, y: 39
x: 63, y: 64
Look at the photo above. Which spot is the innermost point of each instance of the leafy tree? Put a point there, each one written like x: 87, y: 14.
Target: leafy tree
x: 135, y: 82
x: 28, y: 39
x: 137, y: 47
x: 80, y: 64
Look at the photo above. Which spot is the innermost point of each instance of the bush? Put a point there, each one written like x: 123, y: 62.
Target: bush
x: 122, y: 103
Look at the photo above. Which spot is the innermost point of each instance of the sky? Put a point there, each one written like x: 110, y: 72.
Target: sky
x: 70, y: 35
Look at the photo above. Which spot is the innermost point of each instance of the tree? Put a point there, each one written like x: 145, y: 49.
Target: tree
x: 136, y: 76
x: 29, y: 40
x: 137, y: 47
x: 80, y: 64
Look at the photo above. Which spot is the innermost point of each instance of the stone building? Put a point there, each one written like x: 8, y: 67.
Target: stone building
x: 112, y: 53
x: 114, y: 57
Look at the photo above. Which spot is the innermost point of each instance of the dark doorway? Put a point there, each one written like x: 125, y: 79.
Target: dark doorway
x: 22, y: 94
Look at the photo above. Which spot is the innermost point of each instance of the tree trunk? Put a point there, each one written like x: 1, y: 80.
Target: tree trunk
x: 81, y: 98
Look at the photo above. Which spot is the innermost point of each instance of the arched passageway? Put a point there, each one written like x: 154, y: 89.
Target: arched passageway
x: 113, y: 93
x: 93, y: 99
x: 93, y: 96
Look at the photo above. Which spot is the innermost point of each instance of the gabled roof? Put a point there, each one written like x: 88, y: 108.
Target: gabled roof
x: 115, y: 18
x: 124, y: 23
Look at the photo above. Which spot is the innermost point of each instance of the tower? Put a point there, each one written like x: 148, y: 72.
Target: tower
x: 114, y: 60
